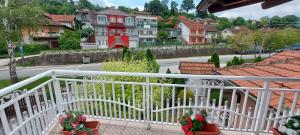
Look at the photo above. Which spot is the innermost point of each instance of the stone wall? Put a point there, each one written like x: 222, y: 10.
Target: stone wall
x: 60, y: 58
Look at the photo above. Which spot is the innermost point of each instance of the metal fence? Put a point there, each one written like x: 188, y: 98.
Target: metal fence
x: 148, y: 99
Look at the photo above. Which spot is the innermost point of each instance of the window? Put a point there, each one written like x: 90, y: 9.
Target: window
x: 119, y: 31
x: 150, y: 32
x: 112, y: 31
x: 83, y: 17
x: 102, y: 31
x: 129, y: 31
x: 129, y: 20
x: 102, y: 42
x: 120, y: 20
x: 113, y: 19
x: 102, y: 19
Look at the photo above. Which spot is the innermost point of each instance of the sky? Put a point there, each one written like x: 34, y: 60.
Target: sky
x: 249, y: 12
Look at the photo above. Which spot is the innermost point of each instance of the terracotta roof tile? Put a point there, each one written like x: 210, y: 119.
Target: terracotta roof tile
x: 192, y: 24
x: 61, y: 18
x: 198, y: 68
x: 112, y: 11
x: 284, y: 64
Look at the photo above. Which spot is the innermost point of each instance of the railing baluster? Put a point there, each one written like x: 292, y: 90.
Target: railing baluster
x: 237, y: 110
x: 156, y: 116
x: 29, y: 108
x: 139, y: 106
x: 27, y: 125
x: 104, y: 98
x: 184, y: 98
x: 168, y: 106
x: 224, y: 114
x: 19, y: 116
x: 162, y: 103
x: 232, y: 104
x: 258, y: 99
x: 95, y: 102
x: 100, y: 104
x: 87, y: 108
x: 133, y: 102
x: 14, y: 126
x: 120, y: 110
x: 92, y: 106
x: 269, y: 121
x: 196, y: 101
x: 37, y: 121
x: 178, y: 110
x: 213, y: 110
x: 77, y: 98
x: 248, y: 118
x: 114, y: 99
x: 123, y: 97
x: 220, y: 104
x: 47, y: 118
x: 68, y: 95
x: 151, y: 103
x: 109, y: 106
x: 73, y: 98
x: 51, y: 93
x: 208, y: 98
x: 280, y: 103
x: 5, y: 122
x: 244, y: 109
x: 295, y: 101
x: 173, y: 104
x: 129, y: 113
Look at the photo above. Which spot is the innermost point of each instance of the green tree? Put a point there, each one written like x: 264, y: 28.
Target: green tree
x: 187, y: 5
x: 201, y: 14
x: 265, y: 21
x: 162, y: 35
x: 215, y: 60
x: 241, y: 41
x: 124, y: 9
x: 235, y: 61
x: 165, y: 5
x: 146, y: 7
x: 275, y: 22
x: 85, y: 4
x: 15, y: 16
x: 69, y: 40
x: 239, y: 21
x: 174, y: 8
x: 155, y: 7
x: 87, y: 32
x: 289, y: 20
x: 224, y: 23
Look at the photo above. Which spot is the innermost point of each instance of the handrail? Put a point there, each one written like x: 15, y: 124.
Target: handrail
x: 24, y: 83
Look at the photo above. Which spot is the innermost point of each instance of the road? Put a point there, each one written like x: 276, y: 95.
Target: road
x: 172, y: 64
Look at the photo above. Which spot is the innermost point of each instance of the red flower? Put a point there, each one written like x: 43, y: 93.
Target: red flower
x: 199, y: 117
x: 189, y: 133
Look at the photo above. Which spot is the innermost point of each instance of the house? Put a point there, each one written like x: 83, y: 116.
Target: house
x: 146, y: 27
x: 46, y: 33
x: 284, y: 64
x: 192, y: 32
x: 68, y: 20
x: 228, y: 32
x: 115, y: 29
x: 211, y: 33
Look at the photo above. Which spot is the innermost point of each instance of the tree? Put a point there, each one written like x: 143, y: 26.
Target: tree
x: 258, y: 38
x: 224, y: 23
x: 187, y: 5
x: 239, y: 21
x: 162, y: 35
x: 241, y: 41
x: 265, y: 21
x: 16, y: 16
x: 201, y: 14
x: 155, y: 7
x: 85, y: 4
x: 169, y: 71
x: 174, y: 8
x: 146, y: 7
x: 69, y: 40
x: 275, y: 22
x: 215, y: 60
x: 289, y: 20
x: 124, y: 9
x: 87, y: 32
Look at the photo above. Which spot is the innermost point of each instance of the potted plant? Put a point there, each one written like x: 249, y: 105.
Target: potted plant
x: 290, y: 126
x: 74, y: 123
x: 197, y: 125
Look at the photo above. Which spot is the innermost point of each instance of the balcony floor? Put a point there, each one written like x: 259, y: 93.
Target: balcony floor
x: 113, y: 127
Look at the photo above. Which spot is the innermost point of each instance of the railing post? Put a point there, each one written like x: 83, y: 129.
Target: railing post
x: 147, y: 119
x: 263, y: 107
x: 58, y: 95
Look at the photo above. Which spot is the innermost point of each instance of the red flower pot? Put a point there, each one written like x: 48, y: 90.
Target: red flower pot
x: 95, y: 125
x: 275, y: 131
x: 209, y: 129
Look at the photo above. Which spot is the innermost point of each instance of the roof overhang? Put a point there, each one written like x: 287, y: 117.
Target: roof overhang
x: 214, y: 6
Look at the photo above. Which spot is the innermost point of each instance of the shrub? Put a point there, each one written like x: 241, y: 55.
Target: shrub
x: 3, y: 48
x: 215, y: 59
x: 34, y: 48
x: 258, y: 59
x: 235, y: 61
x: 69, y: 40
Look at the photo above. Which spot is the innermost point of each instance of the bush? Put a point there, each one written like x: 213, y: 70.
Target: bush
x: 33, y: 48
x: 215, y: 59
x: 3, y: 48
x: 189, y: 94
x: 235, y: 61
x: 69, y: 40
x: 258, y: 59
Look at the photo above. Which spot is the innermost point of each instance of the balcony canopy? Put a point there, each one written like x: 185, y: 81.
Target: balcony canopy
x: 214, y: 6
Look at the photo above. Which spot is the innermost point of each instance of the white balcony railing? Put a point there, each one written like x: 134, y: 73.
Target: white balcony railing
x: 88, y: 46
x: 145, y: 98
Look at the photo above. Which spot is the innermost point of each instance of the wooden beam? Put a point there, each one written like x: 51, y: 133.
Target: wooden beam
x: 218, y: 7
x: 272, y: 3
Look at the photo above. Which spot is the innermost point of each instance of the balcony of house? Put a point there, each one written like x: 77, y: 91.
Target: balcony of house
x: 46, y: 35
x: 146, y: 103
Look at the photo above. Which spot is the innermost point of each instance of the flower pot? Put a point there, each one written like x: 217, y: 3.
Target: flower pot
x: 95, y: 125
x: 209, y: 129
x: 275, y: 131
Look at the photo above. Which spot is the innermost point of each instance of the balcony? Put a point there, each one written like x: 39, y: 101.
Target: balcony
x: 145, y: 103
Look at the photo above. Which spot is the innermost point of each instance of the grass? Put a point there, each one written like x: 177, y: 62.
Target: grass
x: 6, y: 83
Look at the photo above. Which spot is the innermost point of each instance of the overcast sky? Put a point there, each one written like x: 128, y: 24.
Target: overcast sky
x: 249, y: 12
